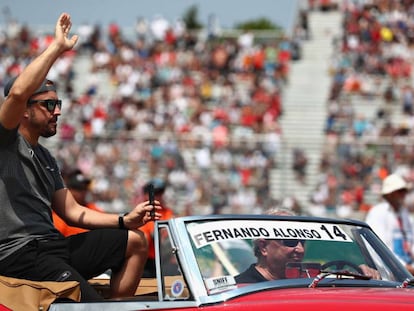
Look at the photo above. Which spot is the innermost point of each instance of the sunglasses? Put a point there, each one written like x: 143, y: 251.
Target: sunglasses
x: 292, y: 242
x: 50, y: 104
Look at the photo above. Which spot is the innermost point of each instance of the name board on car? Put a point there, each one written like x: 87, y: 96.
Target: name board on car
x: 206, y: 233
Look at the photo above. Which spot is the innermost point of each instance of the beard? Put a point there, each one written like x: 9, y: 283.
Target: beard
x: 49, y: 130
x: 48, y: 133
x: 45, y: 128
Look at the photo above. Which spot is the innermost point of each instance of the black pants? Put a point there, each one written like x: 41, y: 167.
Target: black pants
x: 75, y: 258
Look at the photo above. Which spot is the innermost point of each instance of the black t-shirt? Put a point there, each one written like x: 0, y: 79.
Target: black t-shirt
x: 29, y: 177
x: 251, y: 275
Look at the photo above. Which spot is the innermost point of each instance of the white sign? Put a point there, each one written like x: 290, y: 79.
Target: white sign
x: 210, y: 232
x: 220, y: 283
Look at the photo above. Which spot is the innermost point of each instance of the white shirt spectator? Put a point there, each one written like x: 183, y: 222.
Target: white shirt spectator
x: 384, y: 221
x: 246, y: 39
x: 159, y: 26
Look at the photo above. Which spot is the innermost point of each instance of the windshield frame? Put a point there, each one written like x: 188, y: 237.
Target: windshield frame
x: 190, y: 265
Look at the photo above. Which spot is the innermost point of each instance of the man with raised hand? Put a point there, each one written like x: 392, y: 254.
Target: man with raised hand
x: 31, y: 186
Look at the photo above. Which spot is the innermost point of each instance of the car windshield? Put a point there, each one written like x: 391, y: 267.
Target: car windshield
x: 224, y: 249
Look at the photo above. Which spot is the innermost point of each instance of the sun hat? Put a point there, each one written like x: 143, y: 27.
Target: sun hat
x: 47, y: 85
x: 393, y: 183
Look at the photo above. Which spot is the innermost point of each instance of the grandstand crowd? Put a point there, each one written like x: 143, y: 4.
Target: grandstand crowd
x: 371, y: 65
x: 202, y: 112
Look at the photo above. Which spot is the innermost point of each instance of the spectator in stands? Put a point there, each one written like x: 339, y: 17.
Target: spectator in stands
x: 300, y: 162
x: 31, y: 187
x: 155, y: 88
x: 79, y: 186
x: 390, y: 219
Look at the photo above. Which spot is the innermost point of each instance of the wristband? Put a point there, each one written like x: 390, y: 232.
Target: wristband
x: 121, y: 224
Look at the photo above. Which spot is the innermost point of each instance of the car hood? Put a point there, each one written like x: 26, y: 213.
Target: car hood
x: 365, y: 299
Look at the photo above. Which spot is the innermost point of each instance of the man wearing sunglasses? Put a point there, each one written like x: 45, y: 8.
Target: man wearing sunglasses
x: 31, y: 186
x: 272, y: 257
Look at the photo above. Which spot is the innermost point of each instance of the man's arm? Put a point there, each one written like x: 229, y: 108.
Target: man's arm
x: 74, y: 214
x: 33, y: 75
x: 368, y: 271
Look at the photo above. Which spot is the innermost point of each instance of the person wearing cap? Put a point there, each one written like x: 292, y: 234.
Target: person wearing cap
x: 391, y: 221
x: 148, y: 228
x: 31, y: 186
x: 79, y: 185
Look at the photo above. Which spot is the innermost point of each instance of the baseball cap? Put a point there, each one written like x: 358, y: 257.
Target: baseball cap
x: 159, y: 185
x: 393, y: 183
x: 77, y: 180
x: 47, y: 85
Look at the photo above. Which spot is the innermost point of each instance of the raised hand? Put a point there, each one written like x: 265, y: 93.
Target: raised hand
x: 62, y: 30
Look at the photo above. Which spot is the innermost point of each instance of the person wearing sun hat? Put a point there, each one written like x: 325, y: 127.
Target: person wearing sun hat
x: 391, y: 221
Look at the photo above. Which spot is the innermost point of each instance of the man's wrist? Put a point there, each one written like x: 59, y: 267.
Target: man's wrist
x: 121, y: 223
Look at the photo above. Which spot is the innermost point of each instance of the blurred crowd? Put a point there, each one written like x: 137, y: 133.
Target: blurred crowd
x: 201, y: 111
x: 198, y: 111
x: 371, y: 66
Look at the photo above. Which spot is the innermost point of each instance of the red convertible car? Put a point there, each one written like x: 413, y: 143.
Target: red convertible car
x: 200, y: 259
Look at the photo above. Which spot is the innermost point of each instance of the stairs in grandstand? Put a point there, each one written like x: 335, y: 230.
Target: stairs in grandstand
x: 304, y: 105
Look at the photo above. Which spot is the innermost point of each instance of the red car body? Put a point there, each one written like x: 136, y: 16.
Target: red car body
x: 316, y: 299
x: 198, y: 257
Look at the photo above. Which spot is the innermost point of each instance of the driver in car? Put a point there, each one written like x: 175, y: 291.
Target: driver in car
x: 274, y: 255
